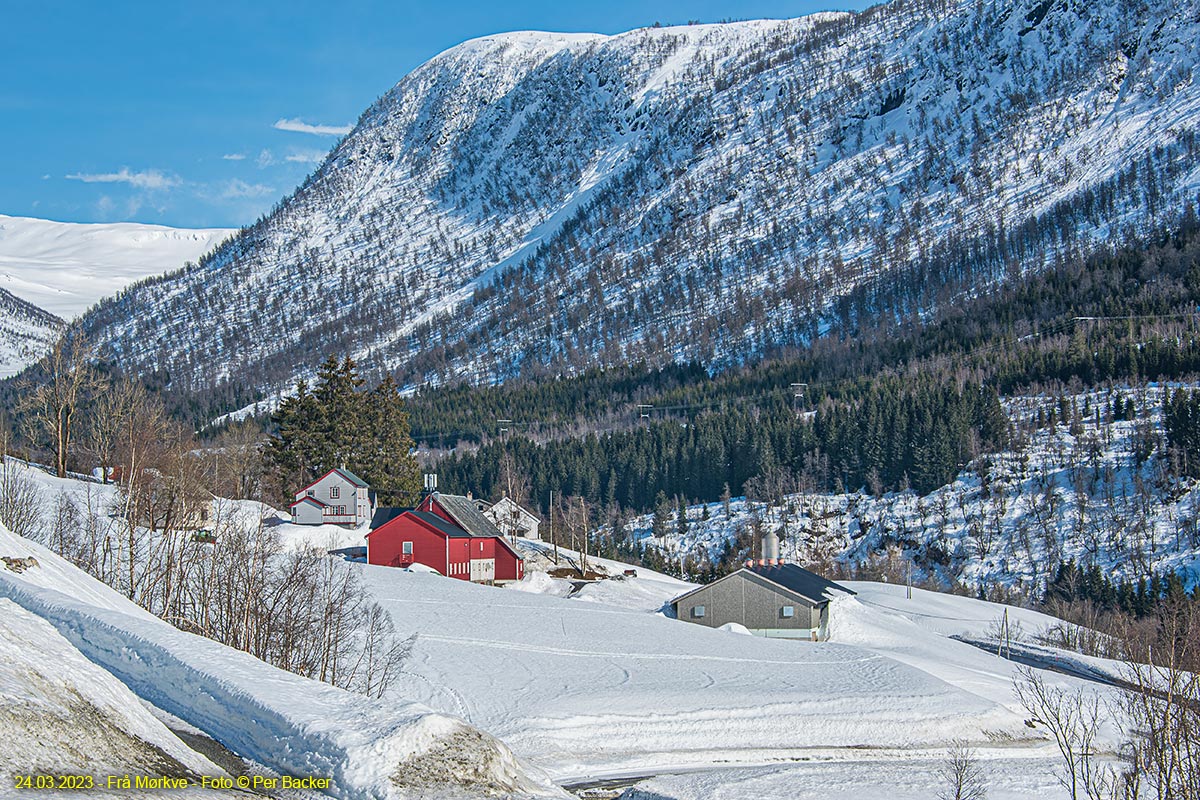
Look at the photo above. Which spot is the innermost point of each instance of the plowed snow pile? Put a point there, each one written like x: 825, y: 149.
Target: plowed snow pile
x: 293, y: 725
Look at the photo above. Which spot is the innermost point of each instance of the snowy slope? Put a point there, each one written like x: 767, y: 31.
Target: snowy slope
x: 1096, y: 490
x: 26, y: 333
x: 703, y: 192
x: 66, y: 267
x: 290, y: 724
x: 61, y: 714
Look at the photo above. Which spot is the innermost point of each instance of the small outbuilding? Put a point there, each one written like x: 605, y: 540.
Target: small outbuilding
x: 770, y: 598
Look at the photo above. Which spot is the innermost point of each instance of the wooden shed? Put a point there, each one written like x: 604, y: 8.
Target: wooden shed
x: 772, y: 599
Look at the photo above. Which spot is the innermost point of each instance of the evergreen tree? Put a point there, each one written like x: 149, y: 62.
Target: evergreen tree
x: 338, y: 425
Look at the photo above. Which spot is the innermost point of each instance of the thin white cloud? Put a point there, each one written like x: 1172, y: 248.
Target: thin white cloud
x: 147, y: 179
x: 265, y: 159
x: 234, y: 157
x: 299, y: 126
x: 238, y: 188
x: 306, y: 156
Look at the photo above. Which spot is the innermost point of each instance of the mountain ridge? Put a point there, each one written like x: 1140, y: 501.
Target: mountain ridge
x: 542, y: 203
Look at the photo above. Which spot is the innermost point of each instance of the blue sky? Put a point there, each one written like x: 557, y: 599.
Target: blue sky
x: 205, y: 112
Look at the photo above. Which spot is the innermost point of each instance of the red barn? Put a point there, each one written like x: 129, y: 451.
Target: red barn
x: 430, y: 535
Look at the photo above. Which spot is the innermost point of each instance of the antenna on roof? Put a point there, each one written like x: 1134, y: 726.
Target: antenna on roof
x: 430, y: 482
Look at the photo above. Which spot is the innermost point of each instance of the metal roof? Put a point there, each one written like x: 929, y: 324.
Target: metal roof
x: 350, y: 476
x: 799, y: 580
x: 385, y: 515
x: 447, y: 528
x: 466, y: 515
x: 789, y: 577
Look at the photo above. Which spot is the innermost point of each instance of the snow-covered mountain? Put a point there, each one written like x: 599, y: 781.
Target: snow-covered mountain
x: 66, y: 267
x: 26, y: 332
x: 54, y: 271
x: 703, y: 192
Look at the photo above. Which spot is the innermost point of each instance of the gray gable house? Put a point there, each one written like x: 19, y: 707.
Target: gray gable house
x: 770, y: 598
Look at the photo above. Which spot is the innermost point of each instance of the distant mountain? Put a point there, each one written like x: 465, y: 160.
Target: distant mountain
x: 51, y: 271
x: 538, y: 203
x: 66, y: 267
x: 26, y: 333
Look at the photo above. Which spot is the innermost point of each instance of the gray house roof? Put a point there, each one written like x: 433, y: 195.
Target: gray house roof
x: 468, y: 517
x: 440, y: 524
x: 791, y: 578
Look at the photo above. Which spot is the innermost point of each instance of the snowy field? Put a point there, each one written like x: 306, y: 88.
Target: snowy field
x: 66, y: 267
x: 599, y: 685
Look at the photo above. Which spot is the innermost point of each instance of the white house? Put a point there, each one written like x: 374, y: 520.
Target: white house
x: 339, y: 497
x: 513, y: 520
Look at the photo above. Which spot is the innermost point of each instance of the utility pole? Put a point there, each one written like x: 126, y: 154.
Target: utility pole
x: 553, y: 538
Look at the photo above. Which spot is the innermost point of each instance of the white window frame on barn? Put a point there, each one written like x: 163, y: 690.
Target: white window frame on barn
x: 788, y: 612
x: 698, y: 612
x: 406, y: 548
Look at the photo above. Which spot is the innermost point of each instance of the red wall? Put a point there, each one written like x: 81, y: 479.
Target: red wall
x: 385, y: 544
x: 508, y: 566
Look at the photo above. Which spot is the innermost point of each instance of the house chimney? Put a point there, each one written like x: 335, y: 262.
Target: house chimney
x: 749, y: 562
x: 770, y: 545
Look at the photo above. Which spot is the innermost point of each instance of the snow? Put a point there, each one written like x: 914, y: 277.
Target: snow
x: 290, y: 724
x: 62, y: 714
x: 66, y: 267
x: 594, y: 687
x: 1009, y: 517
x: 570, y: 681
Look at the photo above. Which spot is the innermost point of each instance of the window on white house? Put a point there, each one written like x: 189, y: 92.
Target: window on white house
x: 788, y: 611
x: 698, y: 611
x: 312, y: 492
x: 334, y: 492
x: 407, y: 548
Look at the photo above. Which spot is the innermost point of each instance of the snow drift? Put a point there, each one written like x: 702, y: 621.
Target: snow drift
x: 290, y: 724
x: 60, y: 713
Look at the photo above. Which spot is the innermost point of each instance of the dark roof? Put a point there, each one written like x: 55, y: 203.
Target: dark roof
x: 799, y: 580
x: 448, y: 528
x: 383, y: 516
x: 467, y: 515
x: 790, y: 577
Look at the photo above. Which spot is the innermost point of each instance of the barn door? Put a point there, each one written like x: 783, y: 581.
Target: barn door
x: 483, y: 570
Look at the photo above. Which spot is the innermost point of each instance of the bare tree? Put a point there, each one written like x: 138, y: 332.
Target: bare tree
x: 51, y: 405
x: 1073, y: 718
x: 20, y: 500
x: 963, y: 775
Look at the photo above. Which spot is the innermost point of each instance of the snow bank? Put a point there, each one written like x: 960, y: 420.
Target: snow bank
x: 62, y: 714
x: 296, y: 726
